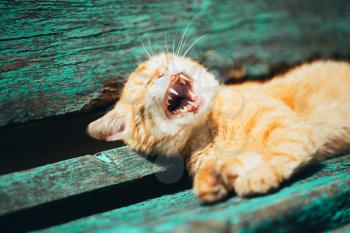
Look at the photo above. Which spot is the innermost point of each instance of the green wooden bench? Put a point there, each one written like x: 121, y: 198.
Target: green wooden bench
x: 68, y: 59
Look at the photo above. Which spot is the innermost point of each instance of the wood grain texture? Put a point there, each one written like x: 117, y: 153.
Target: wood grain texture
x: 56, y: 56
x: 318, y: 199
x: 342, y: 229
x: 56, y: 181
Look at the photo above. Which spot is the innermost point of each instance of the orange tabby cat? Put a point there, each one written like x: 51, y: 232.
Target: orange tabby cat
x: 246, y: 138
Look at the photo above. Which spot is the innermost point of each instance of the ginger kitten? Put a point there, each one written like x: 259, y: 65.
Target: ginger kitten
x: 245, y: 138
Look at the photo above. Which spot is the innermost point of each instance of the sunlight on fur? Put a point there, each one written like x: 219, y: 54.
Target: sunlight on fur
x: 244, y: 138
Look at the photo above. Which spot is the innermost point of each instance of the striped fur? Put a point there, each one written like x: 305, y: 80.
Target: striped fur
x: 247, y: 138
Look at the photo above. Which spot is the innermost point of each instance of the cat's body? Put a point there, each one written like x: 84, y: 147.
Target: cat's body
x: 247, y: 138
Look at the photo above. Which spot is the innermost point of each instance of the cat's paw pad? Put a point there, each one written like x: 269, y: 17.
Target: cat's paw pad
x: 257, y: 181
x: 208, y: 184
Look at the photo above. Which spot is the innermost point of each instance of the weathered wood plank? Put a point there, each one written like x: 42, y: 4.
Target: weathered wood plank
x: 71, y: 177
x: 318, y: 199
x: 56, y: 57
x: 342, y: 229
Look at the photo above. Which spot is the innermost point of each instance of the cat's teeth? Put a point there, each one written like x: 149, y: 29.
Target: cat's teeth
x: 183, y: 81
x: 184, y: 77
x: 173, y: 91
x: 192, y: 95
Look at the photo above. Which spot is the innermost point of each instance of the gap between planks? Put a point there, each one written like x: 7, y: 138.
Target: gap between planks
x: 71, y: 177
x: 316, y: 199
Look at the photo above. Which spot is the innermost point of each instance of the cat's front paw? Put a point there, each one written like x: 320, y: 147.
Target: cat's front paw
x: 217, y: 175
x: 246, y: 174
x: 208, y: 184
x: 260, y: 180
x: 253, y: 175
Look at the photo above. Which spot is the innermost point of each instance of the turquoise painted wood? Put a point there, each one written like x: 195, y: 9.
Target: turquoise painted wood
x: 59, y: 57
x: 71, y: 177
x: 342, y: 229
x: 316, y: 200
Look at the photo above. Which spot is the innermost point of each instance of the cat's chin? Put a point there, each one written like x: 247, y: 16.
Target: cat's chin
x: 180, y: 99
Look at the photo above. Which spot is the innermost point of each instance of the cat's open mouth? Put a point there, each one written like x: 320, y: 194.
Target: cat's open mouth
x: 180, y: 98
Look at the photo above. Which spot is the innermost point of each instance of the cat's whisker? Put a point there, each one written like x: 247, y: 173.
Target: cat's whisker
x: 183, y: 42
x: 166, y: 42
x: 150, y: 45
x: 144, y: 48
x: 195, y: 42
x: 165, y: 39
x: 182, y: 38
x: 209, y: 65
x: 184, y: 45
x: 173, y: 42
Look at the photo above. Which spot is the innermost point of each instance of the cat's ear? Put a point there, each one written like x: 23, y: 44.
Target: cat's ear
x: 110, y: 127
